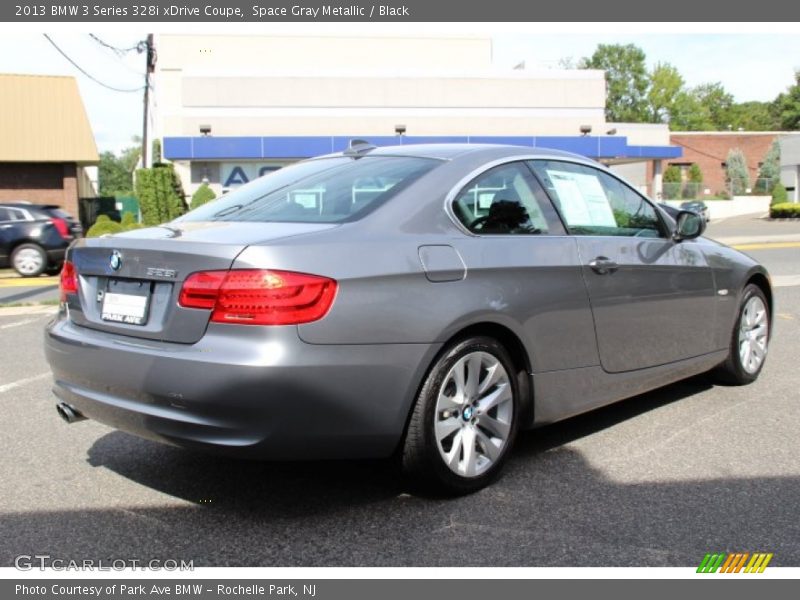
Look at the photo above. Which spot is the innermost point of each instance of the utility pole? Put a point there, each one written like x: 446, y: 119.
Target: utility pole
x: 150, y: 54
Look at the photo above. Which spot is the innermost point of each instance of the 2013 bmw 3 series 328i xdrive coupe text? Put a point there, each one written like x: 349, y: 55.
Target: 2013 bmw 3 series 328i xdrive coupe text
x: 425, y: 302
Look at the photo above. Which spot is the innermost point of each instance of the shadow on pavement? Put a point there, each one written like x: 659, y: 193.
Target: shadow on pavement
x: 551, y: 508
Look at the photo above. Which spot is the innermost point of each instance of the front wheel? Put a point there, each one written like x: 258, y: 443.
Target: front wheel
x: 465, y: 418
x: 749, y: 341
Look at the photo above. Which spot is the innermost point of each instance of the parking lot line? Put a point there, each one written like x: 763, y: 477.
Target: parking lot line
x: 21, y: 382
x: 30, y: 282
x: 767, y: 245
x: 18, y: 323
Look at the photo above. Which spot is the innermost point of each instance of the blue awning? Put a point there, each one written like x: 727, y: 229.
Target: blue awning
x: 296, y: 147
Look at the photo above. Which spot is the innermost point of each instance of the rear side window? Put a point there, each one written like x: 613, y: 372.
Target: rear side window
x: 592, y: 202
x: 504, y: 200
x: 320, y: 191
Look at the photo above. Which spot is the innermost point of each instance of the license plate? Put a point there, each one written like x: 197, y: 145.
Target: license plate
x: 125, y: 308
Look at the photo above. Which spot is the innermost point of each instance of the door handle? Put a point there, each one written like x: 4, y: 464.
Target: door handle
x: 602, y: 265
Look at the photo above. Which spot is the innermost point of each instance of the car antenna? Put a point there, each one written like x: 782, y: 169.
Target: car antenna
x: 358, y: 148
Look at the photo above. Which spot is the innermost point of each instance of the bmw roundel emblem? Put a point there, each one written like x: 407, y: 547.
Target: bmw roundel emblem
x: 116, y: 260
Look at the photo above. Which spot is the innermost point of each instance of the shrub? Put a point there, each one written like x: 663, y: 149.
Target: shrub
x: 785, y: 210
x: 129, y: 222
x: 672, y: 174
x: 203, y: 194
x: 779, y: 194
x: 160, y: 194
x: 770, y: 170
x: 104, y: 226
x: 695, y: 174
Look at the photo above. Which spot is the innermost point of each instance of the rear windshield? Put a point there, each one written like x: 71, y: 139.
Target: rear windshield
x: 330, y: 190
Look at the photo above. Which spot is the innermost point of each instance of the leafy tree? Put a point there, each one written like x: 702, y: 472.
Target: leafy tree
x: 115, y: 173
x: 156, y: 151
x: 770, y: 171
x: 788, y: 106
x: 203, y: 194
x: 716, y: 102
x: 753, y: 116
x: 737, y: 177
x: 665, y: 86
x: 689, y: 114
x: 626, y: 80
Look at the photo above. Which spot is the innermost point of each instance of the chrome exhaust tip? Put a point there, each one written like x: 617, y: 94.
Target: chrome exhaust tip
x: 69, y: 414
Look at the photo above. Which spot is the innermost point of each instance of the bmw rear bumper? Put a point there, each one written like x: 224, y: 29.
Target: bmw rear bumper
x: 254, y: 392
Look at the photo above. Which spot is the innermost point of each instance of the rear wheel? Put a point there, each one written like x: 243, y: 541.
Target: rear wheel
x: 749, y: 340
x: 465, y: 418
x: 29, y: 260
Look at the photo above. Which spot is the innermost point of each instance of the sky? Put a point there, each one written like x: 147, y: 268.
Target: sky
x: 751, y: 66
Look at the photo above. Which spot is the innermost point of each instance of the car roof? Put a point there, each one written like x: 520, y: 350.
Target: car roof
x: 28, y: 205
x: 460, y: 150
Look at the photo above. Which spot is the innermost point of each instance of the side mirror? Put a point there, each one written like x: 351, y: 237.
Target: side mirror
x: 689, y: 226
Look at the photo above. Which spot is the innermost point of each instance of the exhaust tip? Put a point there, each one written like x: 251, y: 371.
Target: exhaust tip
x: 68, y: 414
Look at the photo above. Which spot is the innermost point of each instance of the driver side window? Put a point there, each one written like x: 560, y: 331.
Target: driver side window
x: 504, y: 200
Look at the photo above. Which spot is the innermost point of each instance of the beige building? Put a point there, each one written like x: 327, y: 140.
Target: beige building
x: 46, y: 144
x: 231, y: 107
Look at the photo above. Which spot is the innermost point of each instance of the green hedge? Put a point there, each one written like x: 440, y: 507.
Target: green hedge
x: 104, y: 226
x: 784, y: 210
x: 160, y: 194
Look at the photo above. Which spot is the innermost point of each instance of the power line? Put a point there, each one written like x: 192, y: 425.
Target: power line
x: 139, y: 47
x: 81, y: 69
x: 119, y: 53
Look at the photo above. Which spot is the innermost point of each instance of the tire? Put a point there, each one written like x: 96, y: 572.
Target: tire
x: 459, y: 448
x: 749, y: 339
x: 29, y: 260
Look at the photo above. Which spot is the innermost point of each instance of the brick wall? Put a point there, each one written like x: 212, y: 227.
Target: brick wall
x: 710, y: 150
x: 40, y: 183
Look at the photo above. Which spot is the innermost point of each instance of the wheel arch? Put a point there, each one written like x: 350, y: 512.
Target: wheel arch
x: 516, y: 350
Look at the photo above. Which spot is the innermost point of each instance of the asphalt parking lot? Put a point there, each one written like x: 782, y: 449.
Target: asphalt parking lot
x: 658, y: 480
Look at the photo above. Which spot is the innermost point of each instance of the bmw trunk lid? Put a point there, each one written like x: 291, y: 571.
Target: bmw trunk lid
x: 129, y: 283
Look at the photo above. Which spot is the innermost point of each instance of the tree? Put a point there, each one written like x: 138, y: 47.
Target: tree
x: 788, y: 106
x: 737, y: 177
x: 770, y: 172
x: 626, y: 80
x: 716, y: 102
x: 203, y: 194
x: 689, y: 114
x: 115, y: 173
x: 753, y: 116
x: 695, y: 174
x: 665, y: 86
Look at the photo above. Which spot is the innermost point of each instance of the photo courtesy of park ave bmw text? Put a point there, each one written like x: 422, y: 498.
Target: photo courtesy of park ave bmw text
x: 314, y: 300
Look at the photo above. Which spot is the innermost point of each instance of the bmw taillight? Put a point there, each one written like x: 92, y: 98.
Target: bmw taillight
x: 259, y: 297
x: 68, y: 284
x: 62, y: 227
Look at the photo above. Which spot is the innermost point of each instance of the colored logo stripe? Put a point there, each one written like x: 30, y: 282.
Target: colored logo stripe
x: 734, y: 562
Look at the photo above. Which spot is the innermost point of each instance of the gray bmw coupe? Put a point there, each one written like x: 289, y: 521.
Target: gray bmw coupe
x: 425, y: 302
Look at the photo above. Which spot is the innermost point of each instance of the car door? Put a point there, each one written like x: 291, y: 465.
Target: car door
x: 652, y: 298
x: 521, y: 263
x: 5, y: 234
